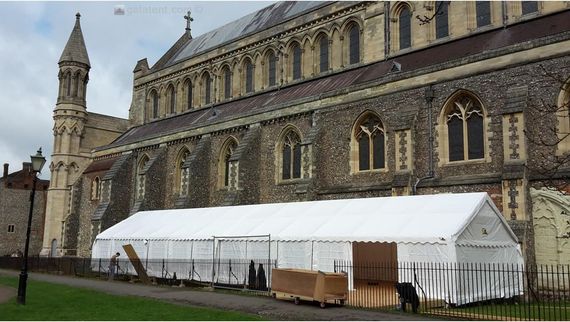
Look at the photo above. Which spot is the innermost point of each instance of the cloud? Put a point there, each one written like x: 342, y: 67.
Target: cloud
x: 33, y: 34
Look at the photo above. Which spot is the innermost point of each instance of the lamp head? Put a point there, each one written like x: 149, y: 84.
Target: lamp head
x: 38, y: 161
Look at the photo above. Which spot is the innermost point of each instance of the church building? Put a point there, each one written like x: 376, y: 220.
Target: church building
x: 329, y: 100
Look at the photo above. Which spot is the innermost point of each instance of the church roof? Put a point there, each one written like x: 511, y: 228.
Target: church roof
x: 262, y: 19
x: 75, y: 50
x: 425, y: 60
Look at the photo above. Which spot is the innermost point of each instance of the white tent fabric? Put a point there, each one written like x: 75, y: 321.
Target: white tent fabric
x: 446, y: 228
x: 409, y: 219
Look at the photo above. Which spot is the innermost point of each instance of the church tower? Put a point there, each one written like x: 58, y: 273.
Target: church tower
x: 68, y: 159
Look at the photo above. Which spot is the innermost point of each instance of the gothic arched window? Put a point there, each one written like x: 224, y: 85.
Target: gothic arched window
x: 248, y: 66
x: 227, y: 151
x: 354, y: 44
x: 464, y: 119
x: 483, y: 10
x: 154, y: 102
x: 207, y: 88
x: 405, y: 27
x: 76, y: 81
x: 296, y: 68
x: 227, y: 83
x: 68, y: 84
x: 271, y: 69
x: 442, y: 19
x: 188, y: 94
x: 179, y: 183
x: 370, y: 140
x: 323, y: 53
x: 171, y: 93
x: 290, y: 155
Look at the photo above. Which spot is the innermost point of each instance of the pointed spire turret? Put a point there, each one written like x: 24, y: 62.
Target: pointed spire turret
x: 75, y: 50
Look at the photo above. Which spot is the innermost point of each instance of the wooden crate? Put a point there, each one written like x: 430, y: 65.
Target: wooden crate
x: 301, y: 284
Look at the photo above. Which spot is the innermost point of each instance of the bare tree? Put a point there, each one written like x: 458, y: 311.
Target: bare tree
x: 428, y: 19
x: 546, y: 132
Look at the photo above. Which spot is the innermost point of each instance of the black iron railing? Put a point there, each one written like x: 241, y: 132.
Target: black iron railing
x: 466, y: 291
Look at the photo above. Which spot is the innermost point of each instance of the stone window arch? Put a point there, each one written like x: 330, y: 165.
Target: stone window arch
x: 401, y: 26
x: 206, y: 88
x: 289, y: 154
x: 271, y: 70
x: 171, y: 99
x: 323, y: 52
x: 181, y: 173
x: 368, y: 143
x: 463, y: 123
x: 563, y: 119
x: 226, y: 82
x: 96, y: 189
x: 353, y: 33
x: 296, y: 54
x: 224, y: 171
x: 188, y: 89
x: 248, y: 76
x: 442, y: 19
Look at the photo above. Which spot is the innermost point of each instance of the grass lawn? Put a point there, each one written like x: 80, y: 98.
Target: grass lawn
x: 46, y: 301
x: 558, y: 311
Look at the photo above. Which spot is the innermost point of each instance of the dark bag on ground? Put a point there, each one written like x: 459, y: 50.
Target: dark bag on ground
x: 408, y: 294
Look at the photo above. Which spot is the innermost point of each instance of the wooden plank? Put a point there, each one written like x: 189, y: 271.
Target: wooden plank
x: 136, y: 262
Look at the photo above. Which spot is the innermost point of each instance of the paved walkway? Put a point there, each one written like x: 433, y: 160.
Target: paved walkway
x: 267, y: 307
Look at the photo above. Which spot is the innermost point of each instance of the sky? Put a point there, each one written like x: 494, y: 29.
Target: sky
x: 33, y: 35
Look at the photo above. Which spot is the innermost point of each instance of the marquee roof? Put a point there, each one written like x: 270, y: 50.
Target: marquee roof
x: 437, y: 218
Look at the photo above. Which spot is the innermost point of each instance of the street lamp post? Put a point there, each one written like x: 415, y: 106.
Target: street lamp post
x: 38, y: 162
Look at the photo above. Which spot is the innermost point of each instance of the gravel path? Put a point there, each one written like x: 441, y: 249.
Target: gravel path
x: 267, y: 307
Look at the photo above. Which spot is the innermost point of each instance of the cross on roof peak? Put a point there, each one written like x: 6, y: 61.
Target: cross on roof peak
x: 189, y: 19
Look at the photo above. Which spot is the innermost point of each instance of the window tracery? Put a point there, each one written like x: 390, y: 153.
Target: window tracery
x: 291, y: 155
x: 227, y: 152
x: 369, y: 136
x: 465, y: 129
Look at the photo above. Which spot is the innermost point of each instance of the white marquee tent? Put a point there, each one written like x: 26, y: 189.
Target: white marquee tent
x: 442, y: 228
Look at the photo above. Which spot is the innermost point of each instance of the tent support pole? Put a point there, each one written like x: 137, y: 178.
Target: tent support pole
x: 213, y: 259
x: 269, y: 266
